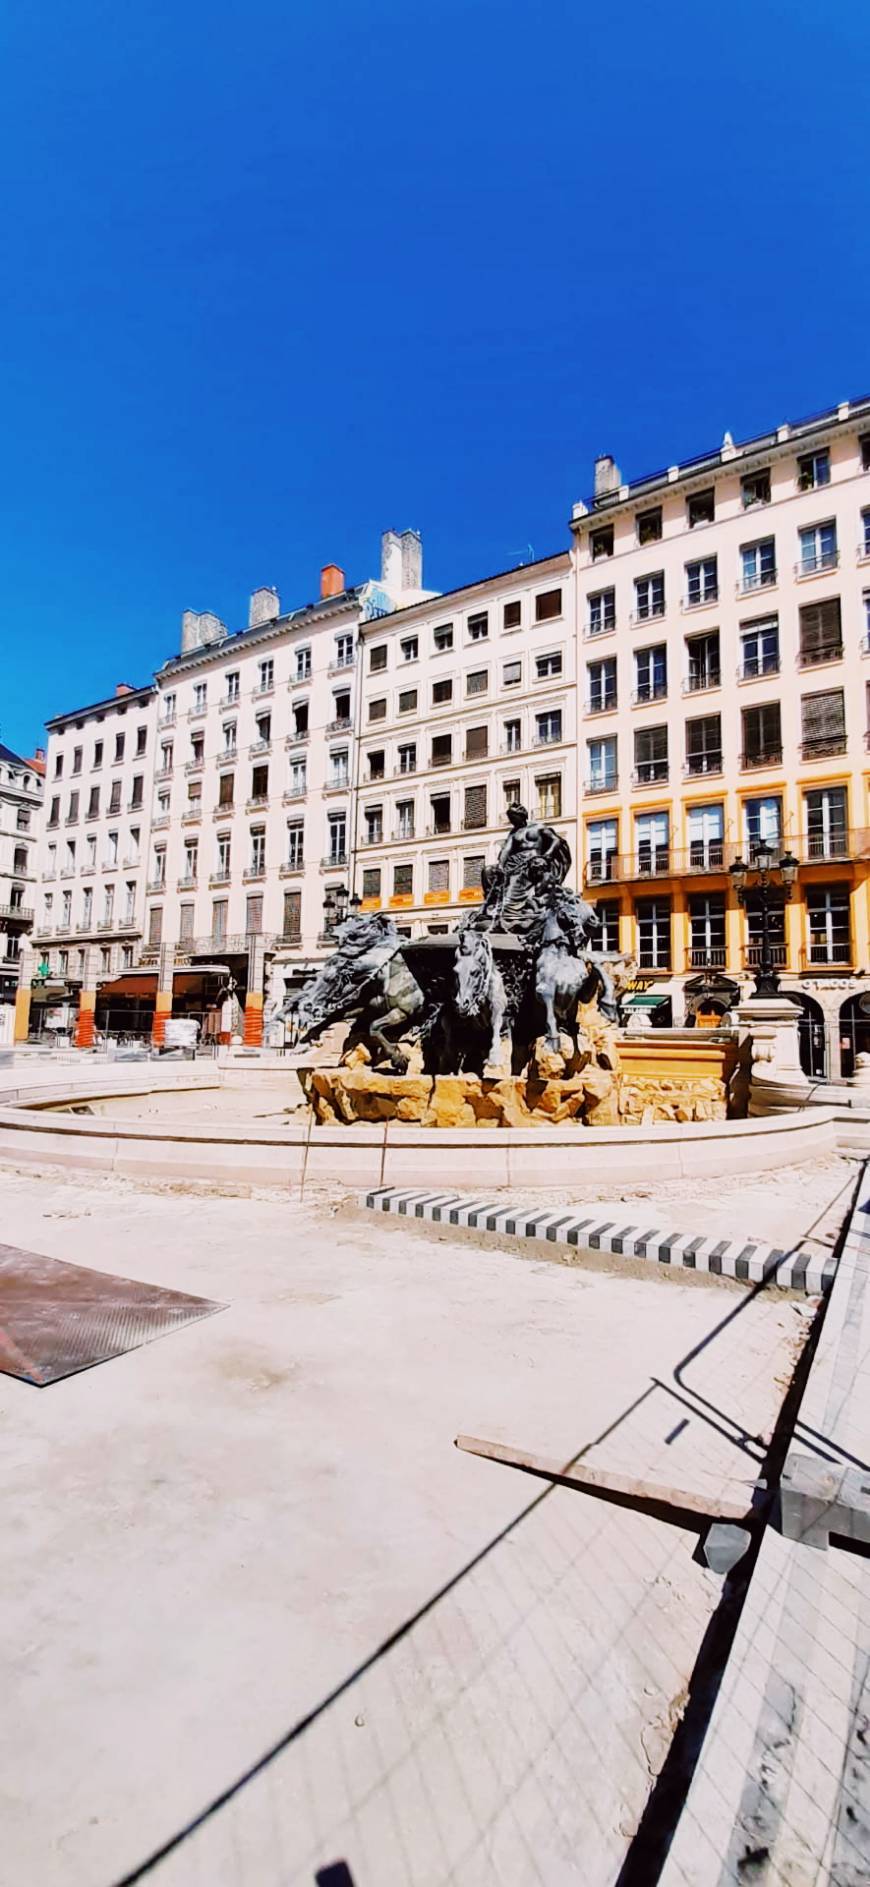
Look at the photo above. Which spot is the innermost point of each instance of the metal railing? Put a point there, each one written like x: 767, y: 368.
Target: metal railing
x: 836, y: 955
x: 298, y: 737
x: 826, y: 652
x: 770, y: 666
x: 609, y: 783
x: 224, y: 809
x: 334, y: 861
x: 642, y: 696
x: 192, y: 816
x: 341, y: 725
x: 821, y: 560
x: 752, y: 955
x: 707, y: 957
x: 650, y: 773
x: 710, y: 595
x: 259, y: 746
x: 820, y: 746
x: 698, y: 763
x: 763, y: 580
x: 698, y: 684
x: 196, y: 765
x: 761, y: 757
x: 652, y: 612
x: 605, y: 628
x: 257, y: 802
x: 253, y: 874
x: 291, y: 871
x: 217, y: 878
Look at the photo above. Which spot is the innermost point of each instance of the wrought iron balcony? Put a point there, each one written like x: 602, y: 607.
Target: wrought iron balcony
x: 219, y: 878
x: 699, y: 763
x: 196, y: 765
x: 701, y: 683
x: 224, y: 809
x: 833, y: 954
x: 292, y: 871
x: 253, y: 874
x: 761, y: 757
x: 826, y: 652
x: 341, y: 725
x: 298, y: 738
x: 650, y: 773
x: 761, y: 580
x: 821, y: 746
x: 259, y: 747
x: 820, y: 560
x: 707, y: 957
x: 752, y: 955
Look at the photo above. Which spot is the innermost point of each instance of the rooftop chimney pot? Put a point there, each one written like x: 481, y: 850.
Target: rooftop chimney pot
x: 265, y: 606
x: 124, y: 688
x: 608, y: 477
x: 332, y: 580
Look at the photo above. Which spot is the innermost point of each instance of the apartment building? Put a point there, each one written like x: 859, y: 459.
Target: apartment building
x: 723, y: 638
x: 466, y: 705
x: 21, y: 787
x: 91, y: 853
x: 198, y: 828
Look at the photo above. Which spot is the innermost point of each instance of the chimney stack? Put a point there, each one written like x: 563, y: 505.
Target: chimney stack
x: 264, y: 606
x: 124, y: 688
x: 607, y: 476
x: 401, y: 561
x: 200, y: 629
x: 331, y: 580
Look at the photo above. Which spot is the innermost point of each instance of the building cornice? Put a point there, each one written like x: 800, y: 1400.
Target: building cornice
x: 557, y: 560
x: 136, y: 697
x: 309, y: 616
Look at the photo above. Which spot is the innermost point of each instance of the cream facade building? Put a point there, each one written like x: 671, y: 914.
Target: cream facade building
x: 723, y: 633
x: 21, y: 788
x: 466, y: 703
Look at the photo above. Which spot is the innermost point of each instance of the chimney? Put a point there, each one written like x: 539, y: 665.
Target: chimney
x: 124, y: 688
x: 401, y: 561
x: 199, y: 629
x: 607, y: 476
x: 264, y: 606
x: 39, y: 754
x: 331, y: 580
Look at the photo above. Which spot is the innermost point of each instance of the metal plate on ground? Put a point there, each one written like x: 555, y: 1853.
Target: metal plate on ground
x: 56, y: 1318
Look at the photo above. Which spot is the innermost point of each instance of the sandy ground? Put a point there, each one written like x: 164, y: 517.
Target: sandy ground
x: 211, y: 1534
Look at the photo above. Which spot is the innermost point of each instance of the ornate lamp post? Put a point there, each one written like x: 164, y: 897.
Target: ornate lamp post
x: 335, y: 907
x: 768, y: 892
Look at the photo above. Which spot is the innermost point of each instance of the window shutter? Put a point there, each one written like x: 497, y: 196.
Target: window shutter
x: 820, y: 626
x: 477, y: 683
x: 403, y: 881
x: 476, y: 743
x: 475, y: 806
x: 371, y: 882
x: 823, y: 716
x: 292, y: 914
x: 472, y: 869
x: 439, y: 874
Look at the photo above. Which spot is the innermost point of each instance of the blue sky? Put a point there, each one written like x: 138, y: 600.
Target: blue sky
x: 278, y: 276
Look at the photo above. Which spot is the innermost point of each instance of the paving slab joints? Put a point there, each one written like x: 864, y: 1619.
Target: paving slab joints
x: 604, y: 1229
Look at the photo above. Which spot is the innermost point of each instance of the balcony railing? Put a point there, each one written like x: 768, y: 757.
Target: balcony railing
x: 696, y: 763
x: 259, y: 746
x: 341, y: 725
x: 756, y: 672
x: 298, y: 738
x: 219, y: 878
x: 606, y: 706
x: 707, y: 957
x: 334, y: 861
x: 602, y: 783
x: 339, y: 668
x: 155, y: 885
x: 20, y: 913
x: 257, y: 802
x: 253, y: 874
x: 441, y: 760
x: 821, y: 560
x: 188, y: 882
x: 752, y: 956
x: 229, y: 701
x: 700, y: 683
x: 291, y: 871
x: 604, y: 628
x: 192, y: 816
x: 195, y: 765
x: 835, y: 954
x: 372, y: 837
x: 826, y: 652
x: 761, y: 757
x: 402, y: 837
x: 761, y: 580
x: 710, y: 595
x: 650, y: 773
x: 551, y: 739
x: 649, y: 612
x: 167, y: 720
x: 224, y: 809
x: 198, y: 714
x: 263, y: 688
x: 292, y: 795
x: 820, y: 746
x: 402, y: 772
x: 439, y: 832
x: 658, y: 691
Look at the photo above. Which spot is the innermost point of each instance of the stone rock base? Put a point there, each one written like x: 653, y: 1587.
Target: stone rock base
x: 595, y: 1097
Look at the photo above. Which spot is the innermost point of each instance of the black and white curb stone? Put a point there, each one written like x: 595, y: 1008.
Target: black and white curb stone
x: 607, y: 1228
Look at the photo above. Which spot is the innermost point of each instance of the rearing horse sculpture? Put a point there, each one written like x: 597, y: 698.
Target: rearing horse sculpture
x: 479, y: 999
x: 561, y: 979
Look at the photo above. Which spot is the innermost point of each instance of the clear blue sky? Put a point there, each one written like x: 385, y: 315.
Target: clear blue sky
x: 277, y: 275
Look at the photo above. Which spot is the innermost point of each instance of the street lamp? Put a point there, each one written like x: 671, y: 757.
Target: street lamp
x: 767, y: 893
x: 335, y: 907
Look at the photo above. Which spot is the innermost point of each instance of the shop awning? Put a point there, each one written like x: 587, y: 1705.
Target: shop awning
x: 144, y: 982
x: 645, y: 999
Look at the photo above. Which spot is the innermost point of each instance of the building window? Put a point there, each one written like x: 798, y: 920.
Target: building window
x: 408, y: 701
x: 22, y: 818
x: 371, y: 883
x: 439, y: 875
x: 821, y: 633
x: 602, y: 612
x: 755, y: 489
x: 200, y: 698
x: 58, y: 766
x: 601, y: 543
x: 303, y: 663
x: 442, y: 638
x: 762, y: 735
x: 295, y: 843
x: 701, y: 507
x: 814, y: 469
x: 477, y: 682
x: 403, y: 881
x: 702, y: 581
x: 548, y: 603
x: 652, y: 842
x: 476, y: 743
x: 93, y: 811
x: 229, y: 737
x: 219, y: 912
x: 828, y: 921
x: 472, y: 873
x: 98, y: 745
x: 374, y: 824
x: 601, y: 765
x: 254, y: 915
x: 378, y: 709
x: 649, y: 525
x: 298, y: 777
x: 87, y: 906
x: 707, y: 931
x: 548, y: 727
x: 818, y: 548
x: 703, y: 669
x: 155, y: 925
x: 864, y: 446
x: 266, y: 671
x: 339, y: 774
x: 185, y: 923
x: 651, y: 673
x: 337, y: 838
x: 440, y: 806
x: 191, y: 862
x: 408, y: 757
x: 404, y: 819
x: 512, y: 674
x: 759, y: 648
x: 650, y: 755
x: 378, y: 659
x: 649, y: 595
x: 607, y: 913
x: 442, y: 691
x: 705, y: 831
x: 548, y: 666
x: 231, y: 681
x: 54, y: 812
x: 823, y: 724
x: 762, y: 822
x: 548, y: 787
x: 136, y: 793
x: 292, y: 926
x: 478, y: 627
x: 442, y: 750
x: 224, y: 854
x: 226, y: 789
x: 511, y: 791
x: 513, y: 736
x: 259, y: 783
x: 601, y: 849
x: 512, y: 615
x: 258, y: 849
x: 653, y: 933
x: 827, y: 822
x: 141, y: 741
x: 410, y: 648
x: 119, y: 747
x: 864, y: 547
x: 601, y: 685
x: 376, y: 764
x: 343, y: 659
x: 758, y: 565
x: 704, y: 744
x: 77, y: 759
x: 474, y: 815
